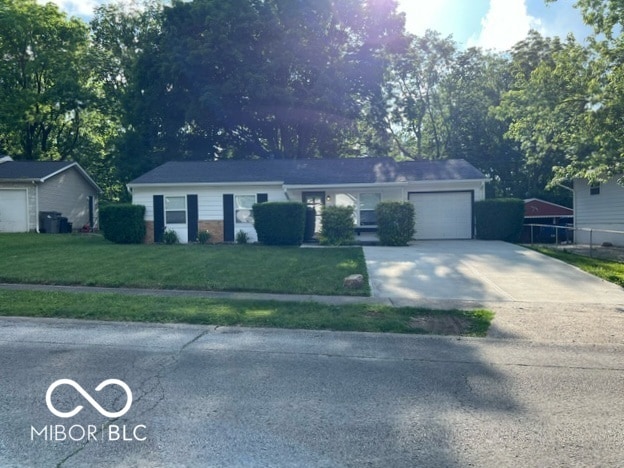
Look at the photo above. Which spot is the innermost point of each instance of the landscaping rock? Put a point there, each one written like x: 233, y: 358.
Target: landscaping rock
x: 353, y: 281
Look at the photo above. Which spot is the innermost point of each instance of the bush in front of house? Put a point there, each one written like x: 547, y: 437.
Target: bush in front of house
x: 242, y: 237
x: 499, y: 219
x: 170, y: 237
x: 123, y: 223
x: 337, y: 225
x: 279, y: 223
x: 204, y: 237
x: 395, y: 222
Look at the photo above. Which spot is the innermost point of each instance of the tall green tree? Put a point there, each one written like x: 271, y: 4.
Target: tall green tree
x: 44, y: 81
x: 551, y: 109
x: 419, y: 116
x: 270, y: 78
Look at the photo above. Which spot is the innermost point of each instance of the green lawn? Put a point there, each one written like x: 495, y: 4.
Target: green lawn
x: 606, y: 269
x: 294, y: 315
x: 90, y: 260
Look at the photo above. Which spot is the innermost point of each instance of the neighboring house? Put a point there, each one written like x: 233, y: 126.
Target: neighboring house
x: 599, y: 207
x: 218, y: 196
x: 28, y: 188
x: 542, y: 212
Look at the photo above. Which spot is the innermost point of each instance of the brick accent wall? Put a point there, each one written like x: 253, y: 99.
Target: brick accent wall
x: 214, y: 227
x: 149, y: 232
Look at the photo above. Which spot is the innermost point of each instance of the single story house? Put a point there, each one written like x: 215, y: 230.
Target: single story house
x: 218, y: 196
x: 542, y: 212
x: 28, y: 188
x: 599, y: 207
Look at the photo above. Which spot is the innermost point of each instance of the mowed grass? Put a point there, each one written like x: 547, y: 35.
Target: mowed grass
x: 291, y: 315
x: 608, y: 270
x: 90, y: 260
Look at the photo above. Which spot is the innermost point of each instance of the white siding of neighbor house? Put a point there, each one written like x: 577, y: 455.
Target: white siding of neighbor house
x: 68, y: 193
x: 604, y: 211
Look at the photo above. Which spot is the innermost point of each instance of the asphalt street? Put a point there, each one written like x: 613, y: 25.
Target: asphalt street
x: 206, y: 396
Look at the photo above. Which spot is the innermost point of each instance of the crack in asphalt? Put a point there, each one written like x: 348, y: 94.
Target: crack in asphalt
x: 149, y: 386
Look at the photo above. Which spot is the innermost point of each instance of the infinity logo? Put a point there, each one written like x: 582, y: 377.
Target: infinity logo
x: 88, y: 397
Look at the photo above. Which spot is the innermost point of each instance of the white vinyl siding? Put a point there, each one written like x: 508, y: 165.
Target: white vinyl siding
x: 209, y: 199
x: 600, y: 211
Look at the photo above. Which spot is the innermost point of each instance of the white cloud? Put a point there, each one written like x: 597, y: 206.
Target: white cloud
x: 424, y: 14
x: 506, y: 23
x: 82, y: 8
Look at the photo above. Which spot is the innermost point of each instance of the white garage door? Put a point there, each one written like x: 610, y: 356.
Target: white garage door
x: 443, y: 215
x: 13, y: 213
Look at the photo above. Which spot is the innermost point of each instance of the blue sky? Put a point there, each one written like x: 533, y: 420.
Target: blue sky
x: 491, y: 24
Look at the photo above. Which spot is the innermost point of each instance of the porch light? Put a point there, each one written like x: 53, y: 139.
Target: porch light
x: 328, y: 198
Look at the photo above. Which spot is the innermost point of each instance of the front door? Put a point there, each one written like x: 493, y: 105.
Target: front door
x: 315, y: 200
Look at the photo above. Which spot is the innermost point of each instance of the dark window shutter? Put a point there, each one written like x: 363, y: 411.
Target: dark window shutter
x: 262, y: 197
x: 159, y: 218
x: 192, y: 217
x: 228, y: 217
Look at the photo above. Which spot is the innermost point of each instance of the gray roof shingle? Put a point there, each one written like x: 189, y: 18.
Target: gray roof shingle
x: 31, y: 170
x: 38, y: 171
x: 310, y: 171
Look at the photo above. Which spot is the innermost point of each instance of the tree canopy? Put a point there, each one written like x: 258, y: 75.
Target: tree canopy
x: 208, y: 79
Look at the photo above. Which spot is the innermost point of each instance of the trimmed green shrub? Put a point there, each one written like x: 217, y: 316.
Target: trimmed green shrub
x: 338, y: 228
x: 279, y: 223
x: 395, y: 222
x: 499, y: 219
x: 204, y: 237
x: 170, y: 237
x: 242, y: 237
x: 123, y: 223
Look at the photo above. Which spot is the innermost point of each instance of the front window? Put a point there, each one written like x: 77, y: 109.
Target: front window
x: 243, y: 205
x: 175, y: 210
x: 368, y: 203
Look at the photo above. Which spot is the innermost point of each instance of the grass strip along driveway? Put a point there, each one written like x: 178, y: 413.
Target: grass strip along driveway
x: 608, y: 270
x: 89, y: 260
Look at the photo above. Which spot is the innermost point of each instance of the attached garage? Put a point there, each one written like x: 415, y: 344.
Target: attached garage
x: 443, y: 215
x: 13, y: 210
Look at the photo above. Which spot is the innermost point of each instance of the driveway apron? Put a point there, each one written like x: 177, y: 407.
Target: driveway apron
x: 480, y: 271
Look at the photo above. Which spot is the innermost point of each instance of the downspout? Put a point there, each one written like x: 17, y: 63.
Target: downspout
x: 573, y: 206
x: 286, y: 193
x: 36, y: 207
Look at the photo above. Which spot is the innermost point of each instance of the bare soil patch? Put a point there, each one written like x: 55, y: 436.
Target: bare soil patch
x: 440, y: 325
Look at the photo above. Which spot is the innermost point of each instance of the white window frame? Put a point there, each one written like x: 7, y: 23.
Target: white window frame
x: 238, y: 209
x: 360, y: 210
x: 175, y: 209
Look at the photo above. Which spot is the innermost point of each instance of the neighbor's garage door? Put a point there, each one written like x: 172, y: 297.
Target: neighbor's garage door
x: 13, y: 213
x: 443, y: 215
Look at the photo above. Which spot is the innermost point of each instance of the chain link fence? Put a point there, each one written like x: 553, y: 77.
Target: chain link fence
x: 600, y: 243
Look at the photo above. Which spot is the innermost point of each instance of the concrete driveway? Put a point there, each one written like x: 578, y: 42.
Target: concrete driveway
x: 481, y: 271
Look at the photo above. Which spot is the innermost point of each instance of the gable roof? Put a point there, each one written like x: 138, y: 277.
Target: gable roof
x: 309, y: 171
x: 38, y: 171
x: 536, y: 208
